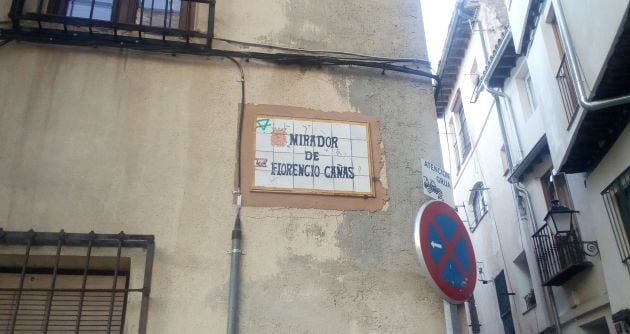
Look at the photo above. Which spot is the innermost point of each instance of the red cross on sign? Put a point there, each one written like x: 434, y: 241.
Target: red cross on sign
x: 445, y: 251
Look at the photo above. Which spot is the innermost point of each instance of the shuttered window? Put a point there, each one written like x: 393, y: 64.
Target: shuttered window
x: 74, y: 282
x: 77, y: 303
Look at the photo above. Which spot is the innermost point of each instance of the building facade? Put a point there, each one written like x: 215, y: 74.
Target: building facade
x: 147, y: 118
x: 534, y: 98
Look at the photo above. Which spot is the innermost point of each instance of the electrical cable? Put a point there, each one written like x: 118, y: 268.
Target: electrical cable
x: 238, y: 137
x: 51, y: 36
x: 236, y: 250
x: 389, y: 59
x: 5, y: 42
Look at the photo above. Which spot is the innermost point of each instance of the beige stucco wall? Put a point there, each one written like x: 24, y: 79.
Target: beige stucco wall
x: 611, y: 167
x: 111, y: 140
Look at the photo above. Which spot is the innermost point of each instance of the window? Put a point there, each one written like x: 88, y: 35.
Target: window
x: 528, y: 101
x: 555, y: 188
x: 525, y: 288
x: 556, y: 34
x: 38, y: 309
x: 563, y: 78
x: 453, y: 135
x: 504, y: 160
x: 531, y: 96
x: 76, y: 283
x: 81, y: 8
x: 617, y: 200
x: 462, y: 138
x: 479, y: 203
x: 474, y: 74
x: 170, y: 14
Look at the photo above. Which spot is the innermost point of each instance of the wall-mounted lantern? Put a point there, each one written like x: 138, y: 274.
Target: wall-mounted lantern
x: 561, y: 218
x: 563, y: 221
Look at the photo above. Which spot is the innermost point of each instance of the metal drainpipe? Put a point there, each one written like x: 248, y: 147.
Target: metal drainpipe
x: 495, y: 94
x: 575, y: 72
x: 530, y: 212
x: 491, y: 67
x: 232, y: 327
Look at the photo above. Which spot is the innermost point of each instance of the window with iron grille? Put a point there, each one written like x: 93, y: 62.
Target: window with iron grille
x: 74, y: 283
x: 171, y: 14
x: 617, y: 201
x: 463, y: 144
x: 479, y: 203
x: 453, y: 135
x: 183, y: 25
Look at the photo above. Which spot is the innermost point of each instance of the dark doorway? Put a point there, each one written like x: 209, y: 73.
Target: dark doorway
x: 503, y: 298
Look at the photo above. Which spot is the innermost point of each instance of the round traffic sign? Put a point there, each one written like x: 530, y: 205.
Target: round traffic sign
x: 445, y: 251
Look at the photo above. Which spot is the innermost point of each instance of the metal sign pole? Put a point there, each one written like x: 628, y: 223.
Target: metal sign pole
x: 451, y: 318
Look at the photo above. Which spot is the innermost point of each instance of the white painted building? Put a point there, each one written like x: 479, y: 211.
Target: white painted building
x: 534, y: 100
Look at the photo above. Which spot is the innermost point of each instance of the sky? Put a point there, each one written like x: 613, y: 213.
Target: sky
x: 436, y: 15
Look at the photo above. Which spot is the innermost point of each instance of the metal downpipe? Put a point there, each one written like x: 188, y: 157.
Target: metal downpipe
x: 549, y: 293
x: 232, y: 326
x: 484, y: 83
x: 565, y: 37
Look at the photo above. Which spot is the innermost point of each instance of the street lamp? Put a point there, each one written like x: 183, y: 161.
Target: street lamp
x: 561, y: 217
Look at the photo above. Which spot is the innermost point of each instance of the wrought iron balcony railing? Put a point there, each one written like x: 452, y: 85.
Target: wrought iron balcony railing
x: 151, y: 23
x: 567, y: 90
x: 561, y: 256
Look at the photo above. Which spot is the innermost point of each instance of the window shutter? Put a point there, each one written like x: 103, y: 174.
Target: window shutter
x: 57, y: 7
x: 187, y: 16
x: 126, y: 11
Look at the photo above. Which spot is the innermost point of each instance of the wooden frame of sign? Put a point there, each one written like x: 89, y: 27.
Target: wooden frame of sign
x: 309, y: 158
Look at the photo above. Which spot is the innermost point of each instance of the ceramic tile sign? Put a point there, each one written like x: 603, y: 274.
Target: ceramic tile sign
x: 298, y: 155
x: 436, y: 182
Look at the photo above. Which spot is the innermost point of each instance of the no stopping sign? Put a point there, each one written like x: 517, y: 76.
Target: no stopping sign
x: 445, y: 251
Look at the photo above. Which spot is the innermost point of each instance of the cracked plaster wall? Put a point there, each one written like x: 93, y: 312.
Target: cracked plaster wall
x: 117, y: 140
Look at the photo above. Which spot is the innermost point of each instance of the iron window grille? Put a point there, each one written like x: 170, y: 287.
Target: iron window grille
x: 463, y: 134
x: 461, y: 137
x: 617, y: 201
x: 74, y: 282
x: 453, y: 133
x: 530, y: 300
x: 479, y: 203
x: 168, y: 25
x: 621, y: 321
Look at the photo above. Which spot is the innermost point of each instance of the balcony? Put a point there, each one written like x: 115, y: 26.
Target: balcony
x: 560, y: 256
x: 567, y: 90
x: 184, y: 26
